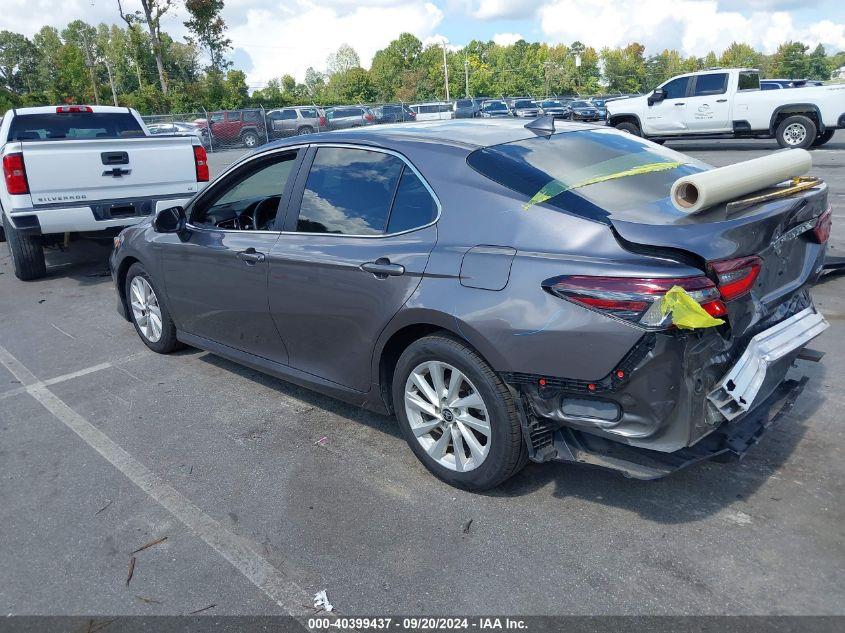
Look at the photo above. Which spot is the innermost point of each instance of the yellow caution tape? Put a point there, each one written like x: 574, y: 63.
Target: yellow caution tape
x: 557, y: 187
x: 687, y: 313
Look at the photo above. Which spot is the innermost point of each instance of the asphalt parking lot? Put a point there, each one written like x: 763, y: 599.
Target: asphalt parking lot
x: 267, y: 493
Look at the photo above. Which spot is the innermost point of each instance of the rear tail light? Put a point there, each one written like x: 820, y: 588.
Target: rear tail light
x: 14, y: 171
x: 736, y: 276
x: 821, y: 231
x: 70, y: 109
x: 201, y: 160
x: 369, y: 117
x: 322, y: 122
x: 635, y: 299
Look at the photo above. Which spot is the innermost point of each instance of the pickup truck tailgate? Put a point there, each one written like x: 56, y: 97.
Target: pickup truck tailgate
x: 106, y: 169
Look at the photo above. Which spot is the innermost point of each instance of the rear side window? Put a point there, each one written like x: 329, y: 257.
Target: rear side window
x: 349, y: 192
x: 464, y: 103
x: 73, y: 125
x: 288, y: 115
x: 308, y: 113
x: 413, y: 205
x: 591, y: 173
x: 676, y: 88
x: 749, y: 81
x: 711, y: 84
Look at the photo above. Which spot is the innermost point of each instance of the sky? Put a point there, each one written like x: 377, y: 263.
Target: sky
x: 274, y: 37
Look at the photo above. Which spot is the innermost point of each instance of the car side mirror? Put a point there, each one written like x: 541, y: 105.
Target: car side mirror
x: 170, y: 220
x: 657, y: 96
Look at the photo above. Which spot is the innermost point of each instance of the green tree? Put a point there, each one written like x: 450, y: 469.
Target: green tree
x: 739, y: 55
x: 209, y: 30
x: 150, y: 14
x: 351, y: 86
x: 818, y: 64
x: 18, y: 62
x: 84, y: 37
x: 343, y: 59
x: 391, y: 65
x: 624, y: 69
x: 790, y: 61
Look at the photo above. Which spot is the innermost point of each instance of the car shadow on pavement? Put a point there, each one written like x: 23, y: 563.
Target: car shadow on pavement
x: 689, y: 495
x: 383, y: 423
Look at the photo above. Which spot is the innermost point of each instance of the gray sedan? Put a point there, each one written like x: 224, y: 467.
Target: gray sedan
x: 499, y: 289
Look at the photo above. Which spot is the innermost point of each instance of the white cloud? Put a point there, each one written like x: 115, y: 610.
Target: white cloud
x: 695, y: 27
x: 506, y: 39
x: 280, y: 43
x: 503, y: 9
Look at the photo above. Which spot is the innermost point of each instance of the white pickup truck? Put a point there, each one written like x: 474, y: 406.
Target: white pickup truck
x: 729, y: 103
x: 86, y: 169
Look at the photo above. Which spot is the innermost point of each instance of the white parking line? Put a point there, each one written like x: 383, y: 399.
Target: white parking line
x: 260, y: 572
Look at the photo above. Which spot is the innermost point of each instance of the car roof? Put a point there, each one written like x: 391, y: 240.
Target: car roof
x: 52, y: 109
x: 469, y: 134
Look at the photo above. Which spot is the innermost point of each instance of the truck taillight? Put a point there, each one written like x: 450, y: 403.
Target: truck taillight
x: 71, y: 109
x: 14, y: 171
x: 201, y: 161
x: 736, y: 276
x: 322, y: 122
x: 821, y: 231
x: 635, y: 299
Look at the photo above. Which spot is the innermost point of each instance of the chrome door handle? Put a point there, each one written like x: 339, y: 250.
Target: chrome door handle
x: 679, y: 103
x: 382, y: 268
x: 721, y: 100
x: 250, y: 257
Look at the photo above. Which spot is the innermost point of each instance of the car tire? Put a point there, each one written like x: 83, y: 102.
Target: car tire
x: 27, y: 253
x: 504, y: 448
x: 165, y: 342
x: 823, y: 138
x: 627, y: 126
x: 305, y: 129
x: 796, y: 131
x: 249, y: 139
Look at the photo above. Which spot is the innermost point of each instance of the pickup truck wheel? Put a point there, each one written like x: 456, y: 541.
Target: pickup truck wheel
x: 796, y: 131
x: 305, y: 129
x: 821, y: 139
x: 631, y: 128
x: 27, y: 253
x: 457, y: 415
x: 250, y: 139
x: 148, y: 312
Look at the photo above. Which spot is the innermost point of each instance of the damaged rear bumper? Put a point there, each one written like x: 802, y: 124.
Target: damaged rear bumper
x: 730, y: 439
x: 674, y: 399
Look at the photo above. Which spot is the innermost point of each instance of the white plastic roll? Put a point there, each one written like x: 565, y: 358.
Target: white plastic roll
x: 698, y: 192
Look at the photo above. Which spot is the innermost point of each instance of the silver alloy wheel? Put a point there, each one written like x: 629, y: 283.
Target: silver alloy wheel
x: 145, y: 309
x: 447, y: 416
x: 794, y: 134
x: 250, y: 140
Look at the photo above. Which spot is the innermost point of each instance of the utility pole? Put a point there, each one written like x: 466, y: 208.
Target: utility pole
x: 445, y: 71
x: 466, y: 75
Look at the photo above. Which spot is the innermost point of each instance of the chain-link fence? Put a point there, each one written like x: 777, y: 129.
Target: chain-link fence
x: 222, y: 130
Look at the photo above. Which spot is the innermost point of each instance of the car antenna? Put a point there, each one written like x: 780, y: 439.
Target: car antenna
x: 542, y: 125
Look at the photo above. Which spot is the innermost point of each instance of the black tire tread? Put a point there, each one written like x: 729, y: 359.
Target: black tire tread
x: 806, y: 122
x: 27, y: 253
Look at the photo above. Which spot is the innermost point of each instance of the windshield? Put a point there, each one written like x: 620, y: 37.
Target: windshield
x: 592, y: 173
x: 73, y: 125
x: 599, y: 103
x: 495, y: 105
x: 524, y: 103
x: 580, y: 104
x: 552, y: 104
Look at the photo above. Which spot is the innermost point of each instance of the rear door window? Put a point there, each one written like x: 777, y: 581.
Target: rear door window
x: 715, y: 84
x: 349, y: 192
x: 413, y: 205
x: 749, y: 81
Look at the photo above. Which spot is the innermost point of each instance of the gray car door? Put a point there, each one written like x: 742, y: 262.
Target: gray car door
x: 353, y: 251
x: 217, y: 270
